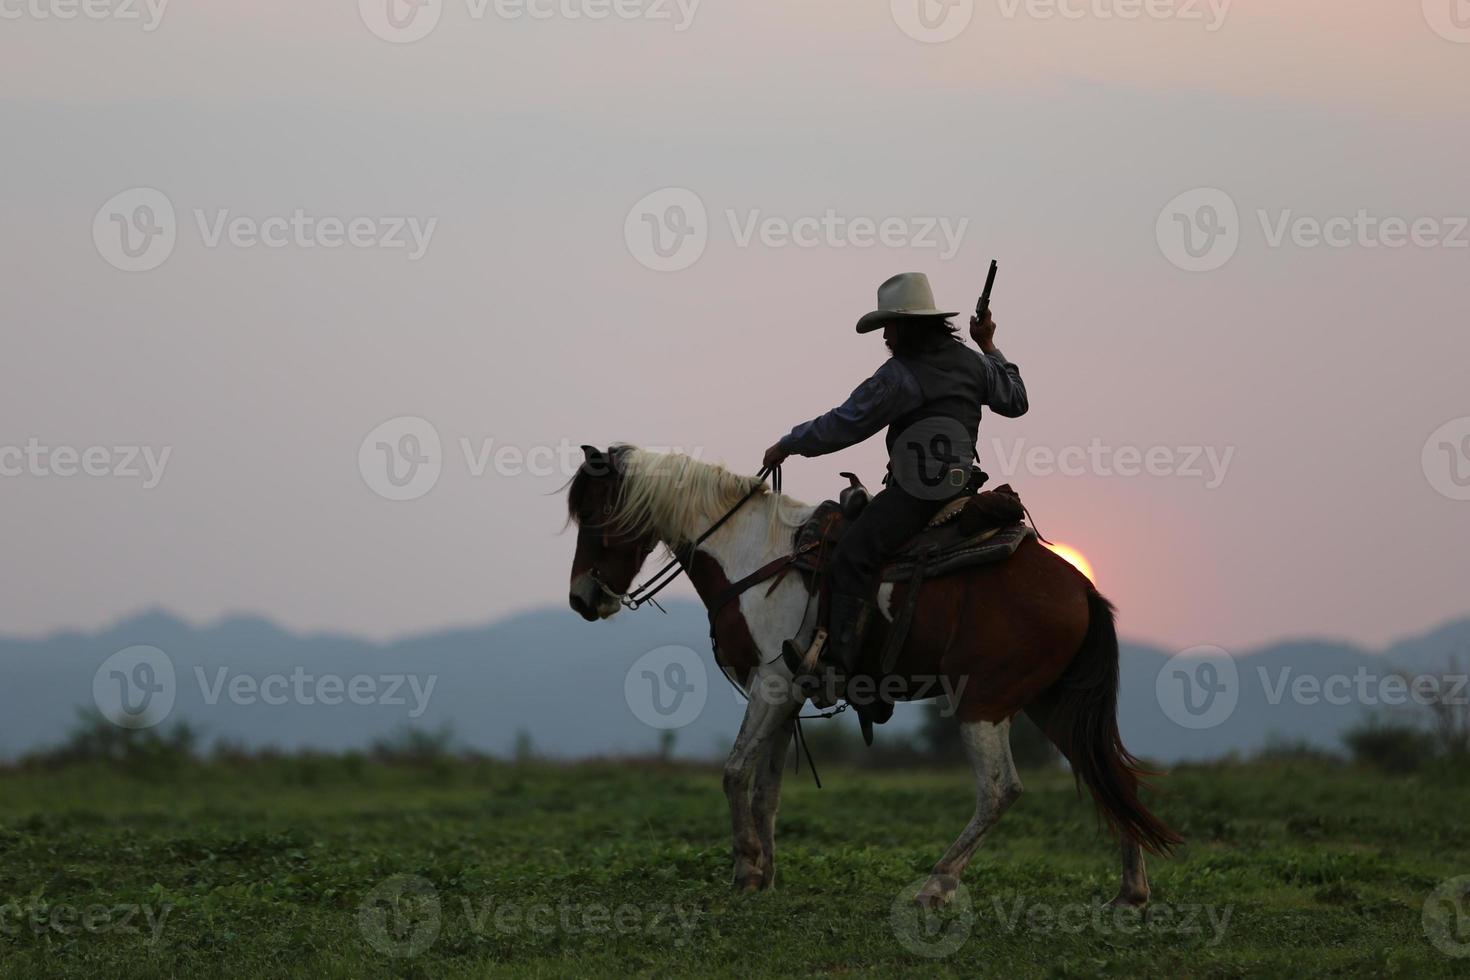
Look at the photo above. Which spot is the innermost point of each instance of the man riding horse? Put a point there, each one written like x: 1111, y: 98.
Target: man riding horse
x: 928, y: 395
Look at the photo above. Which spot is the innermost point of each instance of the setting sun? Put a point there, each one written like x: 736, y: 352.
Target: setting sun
x: 1076, y: 558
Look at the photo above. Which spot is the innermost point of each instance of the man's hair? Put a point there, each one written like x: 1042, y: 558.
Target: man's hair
x: 920, y: 335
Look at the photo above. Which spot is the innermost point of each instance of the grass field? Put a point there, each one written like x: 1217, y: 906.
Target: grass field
x: 335, y: 869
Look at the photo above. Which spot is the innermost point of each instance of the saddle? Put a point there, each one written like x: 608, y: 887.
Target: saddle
x: 976, y: 528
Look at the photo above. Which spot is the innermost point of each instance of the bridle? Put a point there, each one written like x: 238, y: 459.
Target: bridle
x: 665, y: 576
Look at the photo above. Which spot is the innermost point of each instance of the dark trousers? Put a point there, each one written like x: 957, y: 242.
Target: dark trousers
x: 885, y: 525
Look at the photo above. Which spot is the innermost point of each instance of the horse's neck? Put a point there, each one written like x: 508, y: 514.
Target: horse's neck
x: 746, y: 542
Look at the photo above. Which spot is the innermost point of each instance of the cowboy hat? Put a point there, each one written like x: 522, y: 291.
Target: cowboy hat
x: 905, y: 297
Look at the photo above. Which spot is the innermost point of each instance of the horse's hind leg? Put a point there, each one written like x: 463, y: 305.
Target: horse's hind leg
x: 767, y: 799
x: 1134, y: 892
x: 997, y: 786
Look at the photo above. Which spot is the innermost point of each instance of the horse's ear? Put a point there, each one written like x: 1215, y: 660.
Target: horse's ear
x: 597, y: 463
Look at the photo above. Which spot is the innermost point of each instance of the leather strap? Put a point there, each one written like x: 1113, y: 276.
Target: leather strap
x: 900, y: 630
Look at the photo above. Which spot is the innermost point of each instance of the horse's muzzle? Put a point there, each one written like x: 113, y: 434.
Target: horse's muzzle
x: 589, y: 601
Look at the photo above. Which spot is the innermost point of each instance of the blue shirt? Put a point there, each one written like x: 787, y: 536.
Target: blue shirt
x: 891, y: 392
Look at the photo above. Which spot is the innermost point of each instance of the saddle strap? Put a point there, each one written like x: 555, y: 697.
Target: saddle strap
x: 899, y: 632
x: 776, y: 569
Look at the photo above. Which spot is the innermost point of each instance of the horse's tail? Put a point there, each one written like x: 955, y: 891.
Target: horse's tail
x: 1080, y: 714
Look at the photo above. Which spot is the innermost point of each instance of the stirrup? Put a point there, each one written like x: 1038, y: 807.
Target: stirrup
x: 805, y: 670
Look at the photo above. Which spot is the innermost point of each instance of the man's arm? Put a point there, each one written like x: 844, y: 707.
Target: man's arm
x: 1005, y: 392
x: 890, y: 392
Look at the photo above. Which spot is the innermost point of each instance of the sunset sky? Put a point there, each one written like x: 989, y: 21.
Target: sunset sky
x: 1330, y: 384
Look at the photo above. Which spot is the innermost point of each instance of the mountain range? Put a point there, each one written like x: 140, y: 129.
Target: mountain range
x: 546, y: 676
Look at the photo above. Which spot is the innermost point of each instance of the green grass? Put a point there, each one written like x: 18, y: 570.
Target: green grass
x: 263, y: 870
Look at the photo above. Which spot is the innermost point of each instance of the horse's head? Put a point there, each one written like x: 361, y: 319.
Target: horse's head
x: 609, y: 554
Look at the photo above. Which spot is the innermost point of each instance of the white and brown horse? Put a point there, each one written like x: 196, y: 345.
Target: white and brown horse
x: 1030, y: 633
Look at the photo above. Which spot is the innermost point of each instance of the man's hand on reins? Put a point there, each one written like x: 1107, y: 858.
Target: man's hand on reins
x: 983, y: 333
x: 775, y: 456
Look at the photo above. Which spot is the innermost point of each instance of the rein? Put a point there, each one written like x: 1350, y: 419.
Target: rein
x: 665, y: 576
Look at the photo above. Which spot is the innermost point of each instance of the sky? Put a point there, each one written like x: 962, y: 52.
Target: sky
x: 247, y: 246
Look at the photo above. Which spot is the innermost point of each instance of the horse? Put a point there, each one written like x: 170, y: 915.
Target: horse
x: 1029, y: 634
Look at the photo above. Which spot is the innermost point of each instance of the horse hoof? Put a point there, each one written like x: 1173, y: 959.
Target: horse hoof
x: 1125, y: 900
x: 931, y: 900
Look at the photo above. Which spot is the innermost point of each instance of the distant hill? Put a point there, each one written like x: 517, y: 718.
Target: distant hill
x: 560, y: 681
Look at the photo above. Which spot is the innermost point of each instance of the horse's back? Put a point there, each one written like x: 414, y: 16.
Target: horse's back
x: 1005, y: 631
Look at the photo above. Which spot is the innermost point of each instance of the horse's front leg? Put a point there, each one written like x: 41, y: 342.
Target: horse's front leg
x: 767, y: 800
x: 771, y: 706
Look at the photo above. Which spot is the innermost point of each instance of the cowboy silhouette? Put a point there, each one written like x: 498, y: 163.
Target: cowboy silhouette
x: 928, y: 395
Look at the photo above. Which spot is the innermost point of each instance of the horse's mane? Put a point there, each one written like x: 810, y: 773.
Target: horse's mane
x: 675, y: 496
